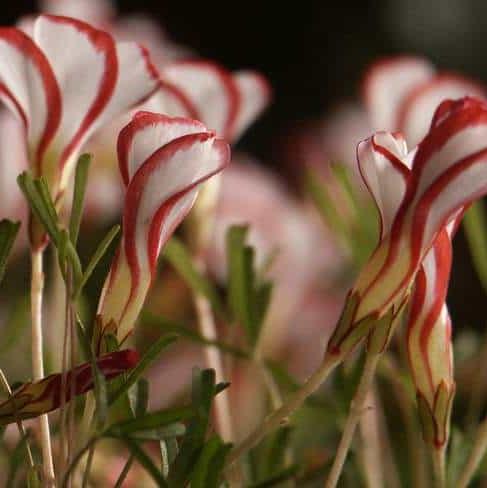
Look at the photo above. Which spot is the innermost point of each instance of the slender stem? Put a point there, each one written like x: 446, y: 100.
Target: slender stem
x: 124, y: 473
x: 439, y: 467
x: 280, y: 416
x: 86, y: 474
x: 356, y: 410
x: 476, y: 455
x: 214, y: 360
x: 37, y: 287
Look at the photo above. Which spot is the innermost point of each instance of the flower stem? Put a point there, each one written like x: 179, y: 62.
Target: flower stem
x: 439, y: 467
x: 476, y: 455
x: 214, y: 360
x: 37, y: 287
x: 356, y: 410
x: 279, y: 416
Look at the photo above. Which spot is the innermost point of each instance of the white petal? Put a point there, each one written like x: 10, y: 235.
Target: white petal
x: 388, y: 83
x: 418, y: 109
x: 146, y: 133
x: 254, y: 95
x: 211, y: 91
x: 382, y: 163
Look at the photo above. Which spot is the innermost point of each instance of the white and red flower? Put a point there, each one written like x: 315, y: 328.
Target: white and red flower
x: 402, y: 93
x: 224, y: 101
x: 163, y: 161
x: 65, y: 82
x: 418, y: 194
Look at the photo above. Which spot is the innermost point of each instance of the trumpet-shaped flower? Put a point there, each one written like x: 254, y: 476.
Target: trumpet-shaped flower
x: 64, y: 83
x: 35, y: 398
x: 418, y: 194
x: 163, y: 161
x: 429, y: 341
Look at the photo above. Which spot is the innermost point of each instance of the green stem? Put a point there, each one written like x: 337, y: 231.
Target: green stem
x: 439, y: 467
x: 356, y: 410
x: 280, y: 416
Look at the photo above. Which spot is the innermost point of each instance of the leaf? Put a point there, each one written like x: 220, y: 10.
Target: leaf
x: 150, y: 421
x: 207, y: 471
x: 170, y: 432
x: 100, y: 386
x: 97, y: 256
x: 38, y: 205
x: 16, y: 460
x: 475, y: 225
x: 147, y: 359
x: 180, y: 258
x: 169, y: 451
x: 8, y: 233
x: 80, y: 180
x: 202, y: 393
x: 247, y: 298
x: 139, y: 397
x: 145, y: 461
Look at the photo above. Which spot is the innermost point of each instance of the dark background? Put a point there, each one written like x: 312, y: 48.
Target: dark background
x: 314, y: 53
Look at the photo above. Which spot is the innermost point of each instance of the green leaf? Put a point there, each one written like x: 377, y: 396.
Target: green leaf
x: 97, y: 256
x: 151, y: 421
x: 8, y: 233
x: 139, y: 397
x: 147, y: 359
x: 202, y: 393
x: 170, y: 432
x: 146, y: 462
x: 80, y: 180
x: 180, y: 258
x: 35, y: 196
x: 16, y: 460
x: 272, y: 453
x: 206, y: 473
x: 100, y: 385
x: 475, y: 225
x: 169, y: 451
x: 247, y: 298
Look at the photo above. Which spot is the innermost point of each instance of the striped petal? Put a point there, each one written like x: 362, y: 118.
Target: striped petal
x: 65, y: 82
x: 383, y: 164
x: 387, y: 84
x: 415, y: 114
x: 35, y: 398
x: 429, y: 324
x: 159, y: 195
x: 255, y: 95
x: 429, y: 339
x: 211, y: 91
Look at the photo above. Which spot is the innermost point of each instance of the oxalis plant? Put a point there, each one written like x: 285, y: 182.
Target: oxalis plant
x: 387, y: 368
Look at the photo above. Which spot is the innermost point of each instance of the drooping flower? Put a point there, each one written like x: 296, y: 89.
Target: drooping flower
x: 163, y: 161
x: 64, y: 83
x: 448, y: 171
x: 38, y: 397
x: 429, y: 345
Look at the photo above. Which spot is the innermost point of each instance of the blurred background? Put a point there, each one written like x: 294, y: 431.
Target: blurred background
x: 314, y: 54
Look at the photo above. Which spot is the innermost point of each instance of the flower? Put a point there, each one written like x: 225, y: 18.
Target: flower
x: 65, y: 82
x: 38, y: 397
x: 429, y: 343
x: 402, y: 93
x: 163, y: 161
x: 226, y: 102
x: 448, y: 170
